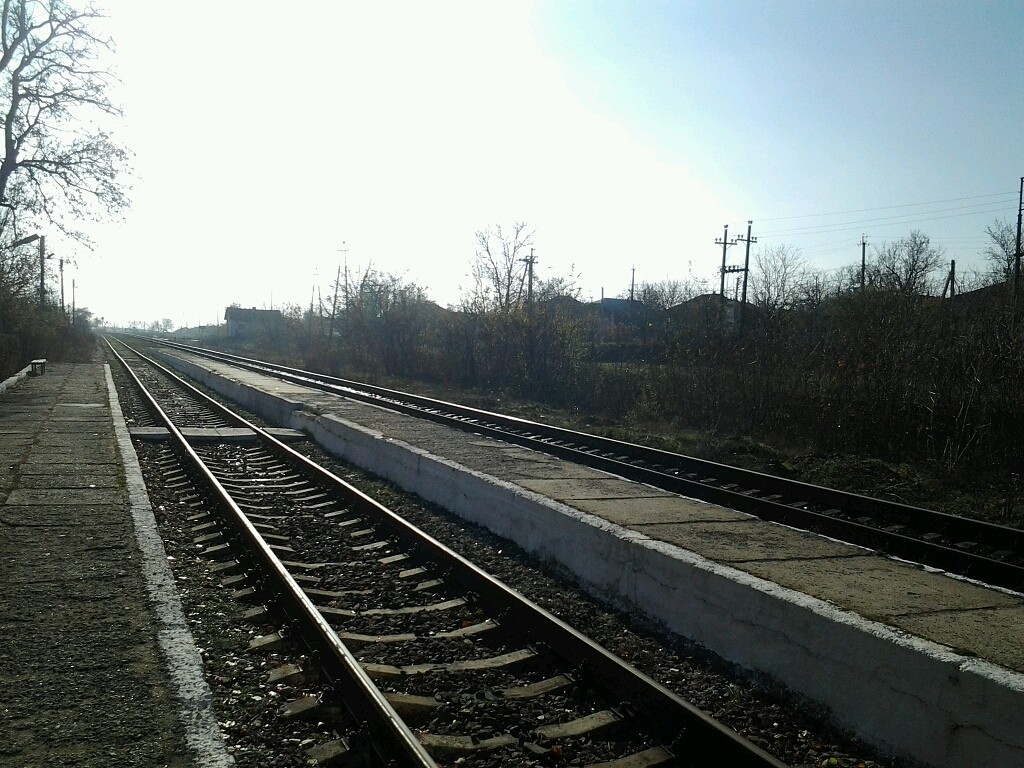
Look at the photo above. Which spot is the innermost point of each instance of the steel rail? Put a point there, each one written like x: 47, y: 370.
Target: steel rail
x: 671, y: 717
x: 612, y: 456
x: 393, y: 742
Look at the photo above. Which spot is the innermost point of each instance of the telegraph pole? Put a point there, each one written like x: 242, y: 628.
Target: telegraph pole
x: 950, y: 284
x: 1016, y: 260
x: 725, y: 242
x: 529, y: 261
x: 746, y: 270
x: 863, y: 261
x: 42, y: 270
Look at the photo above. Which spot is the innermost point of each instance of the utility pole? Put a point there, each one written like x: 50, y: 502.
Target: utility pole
x: 334, y: 306
x: 725, y: 242
x: 950, y: 285
x: 529, y: 261
x: 312, y: 293
x: 42, y: 270
x: 530, y: 356
x: 344, y: 256
x: 746, y: 270
x: 863, y: 261
x: 1016, y: 260
x: 62, y: 285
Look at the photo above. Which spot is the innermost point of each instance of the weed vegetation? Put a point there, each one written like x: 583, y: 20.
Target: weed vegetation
x: 887, y: 393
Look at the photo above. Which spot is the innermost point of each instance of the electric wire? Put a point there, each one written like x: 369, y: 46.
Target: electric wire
x: 901, y: 219
x: 1007, y: 195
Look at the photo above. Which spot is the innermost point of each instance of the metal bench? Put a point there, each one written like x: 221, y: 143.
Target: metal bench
x: 38, y: 366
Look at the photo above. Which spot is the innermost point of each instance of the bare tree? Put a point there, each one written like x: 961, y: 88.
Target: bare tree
x: 559, y: 286
x: 906, y: 266
x: 1001, y: 252
x: 777, y: 278
x: 817, y: 286
x: 499, y: 269
x: 56, y: 157
x: 664, y: 294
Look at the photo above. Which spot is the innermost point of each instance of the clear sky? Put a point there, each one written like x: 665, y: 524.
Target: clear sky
x: 274, y: 140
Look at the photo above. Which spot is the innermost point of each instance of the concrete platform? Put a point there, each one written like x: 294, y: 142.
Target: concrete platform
x: 913, y: 660
x: 97, y: 664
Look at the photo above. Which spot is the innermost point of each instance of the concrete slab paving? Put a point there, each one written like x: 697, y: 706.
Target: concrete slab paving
x: 44, y: 515
x: 600, y: 487
x: 72, y: 579
x: 879, y: 588
x: 640, y: 511
x: 70, y: 427
x: 740, y: 541
x: 81, y: 645
x: 57, y: 464
x: 53, y: 454
x: 72, y: 476
x: 86, y: 441
x: 61, y: 496
x: 958, y: 628
x: 551, y: 471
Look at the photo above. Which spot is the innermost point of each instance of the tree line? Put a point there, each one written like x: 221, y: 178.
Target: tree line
x: 889, y: 369
x: 60, y: 166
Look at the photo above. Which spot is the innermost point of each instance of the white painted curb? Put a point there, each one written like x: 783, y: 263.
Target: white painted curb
x: 19, y: 376
x: 184, y: 664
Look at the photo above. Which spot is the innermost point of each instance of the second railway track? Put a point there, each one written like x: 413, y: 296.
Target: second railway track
x: 988, y: 552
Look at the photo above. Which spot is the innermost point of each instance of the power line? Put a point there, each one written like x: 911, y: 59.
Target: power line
x: 906, y: 218
x: 1006, y: 195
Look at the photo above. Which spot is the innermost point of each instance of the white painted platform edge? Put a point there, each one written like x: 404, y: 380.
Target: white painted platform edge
x: 11, y: 381
x: 182, y: 659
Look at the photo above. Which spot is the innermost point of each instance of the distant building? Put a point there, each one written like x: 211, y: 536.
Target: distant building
x: 989, y: 298
x: 621, y: 309
x: 707, y: 310
x: 246, y: 323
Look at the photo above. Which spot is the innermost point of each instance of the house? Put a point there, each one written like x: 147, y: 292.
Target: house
x: 247, y: 323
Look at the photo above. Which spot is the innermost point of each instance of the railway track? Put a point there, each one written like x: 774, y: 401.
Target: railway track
x: 987, y: 552
x: 338, y: 574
